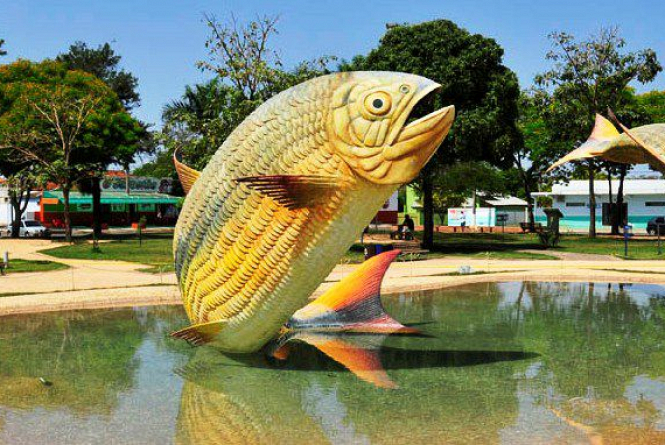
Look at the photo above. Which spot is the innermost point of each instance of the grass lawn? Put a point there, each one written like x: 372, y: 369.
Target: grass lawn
x: 18, y: 266
x: 638, y: 248
x: 156, y: 251
x: 487, y: 245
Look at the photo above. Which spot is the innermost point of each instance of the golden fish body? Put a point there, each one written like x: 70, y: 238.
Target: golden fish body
x: 333, y: 149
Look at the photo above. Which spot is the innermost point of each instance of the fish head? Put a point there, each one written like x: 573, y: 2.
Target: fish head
x: 370, y: 128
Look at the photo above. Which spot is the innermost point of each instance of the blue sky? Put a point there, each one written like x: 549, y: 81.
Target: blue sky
x: 160, y: 41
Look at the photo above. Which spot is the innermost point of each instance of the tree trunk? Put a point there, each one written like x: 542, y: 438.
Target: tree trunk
x: 96, y: 208
x: 473, y: 204
x: 16, y: 214
x: 609, y: 183
x: 68, y: 222
x: 428, y: 214
x: 529, y: 202
x: 618, y: 219
x: 592, y: 202
x: 19, y: 202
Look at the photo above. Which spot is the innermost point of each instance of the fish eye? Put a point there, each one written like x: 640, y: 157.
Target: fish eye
x: 378, y: 103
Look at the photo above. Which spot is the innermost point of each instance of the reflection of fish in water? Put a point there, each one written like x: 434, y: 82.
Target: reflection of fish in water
x: 287, y: 194
x: 240, y: 398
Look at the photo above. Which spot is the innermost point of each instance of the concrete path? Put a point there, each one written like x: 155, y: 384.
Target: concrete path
x: 95, y: 284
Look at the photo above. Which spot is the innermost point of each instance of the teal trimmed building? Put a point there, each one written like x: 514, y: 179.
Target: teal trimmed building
x: 644, y: 200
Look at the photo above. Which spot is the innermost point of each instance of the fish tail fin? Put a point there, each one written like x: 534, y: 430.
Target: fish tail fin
x: 200, y: 334
x: 353, y: 304
x: 603, y: 131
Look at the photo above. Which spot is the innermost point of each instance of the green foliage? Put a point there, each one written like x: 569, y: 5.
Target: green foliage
x: 588, y: 77
x: 247, y: 73
x: 457, y: 182
x: 653, y: 104
x: 470, y: 70
x: 63, y: 122
x: 473, y: 78
x: 103, y: 63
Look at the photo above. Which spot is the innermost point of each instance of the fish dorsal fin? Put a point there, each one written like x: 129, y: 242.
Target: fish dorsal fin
x: 638, y: 141
x: 186, y: 174
x: 200, y: 334
x: 294, y: 191
x: 353, y: 304
x: 603, y: 131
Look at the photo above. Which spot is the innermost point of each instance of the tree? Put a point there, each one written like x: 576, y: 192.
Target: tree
x: 247, y: 71
x: 653, y: 104
x: 2, y: 51
x: 103, y: 63
x: 535, y: 152
x: 464, y: 180
x: 469, y: 68
x: 59, y: 120
x: 588, y: 77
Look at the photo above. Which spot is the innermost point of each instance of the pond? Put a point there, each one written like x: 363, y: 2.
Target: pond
x: 505, y: 363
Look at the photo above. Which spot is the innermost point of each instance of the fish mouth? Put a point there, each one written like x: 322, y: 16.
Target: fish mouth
x: 423, y: 136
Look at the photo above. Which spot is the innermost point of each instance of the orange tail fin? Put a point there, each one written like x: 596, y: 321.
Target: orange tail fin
x: 353, y: 304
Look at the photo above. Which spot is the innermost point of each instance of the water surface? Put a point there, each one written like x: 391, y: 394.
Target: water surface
x: 504, y: 363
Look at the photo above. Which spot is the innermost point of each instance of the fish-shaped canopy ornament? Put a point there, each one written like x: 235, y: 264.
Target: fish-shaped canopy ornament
x: 639, y: 145
x: 287, y: 194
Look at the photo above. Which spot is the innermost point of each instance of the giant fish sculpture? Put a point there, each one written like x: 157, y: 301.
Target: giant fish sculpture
x: 287, y: 194
x: 639, y: 145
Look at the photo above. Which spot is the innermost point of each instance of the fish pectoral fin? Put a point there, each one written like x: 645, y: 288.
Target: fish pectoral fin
x: 200, y: 334
x: 294, y: 191
x: 353, y: 304
x: 186, y: 174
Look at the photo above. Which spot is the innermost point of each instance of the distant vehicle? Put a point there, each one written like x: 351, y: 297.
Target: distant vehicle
x: 655, y: 225
x: 30, y: 229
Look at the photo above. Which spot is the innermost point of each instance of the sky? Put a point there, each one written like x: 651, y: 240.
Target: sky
x: 161, y: 41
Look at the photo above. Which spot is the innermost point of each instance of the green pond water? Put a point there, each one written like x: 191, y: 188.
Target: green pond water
x: 504, y: 363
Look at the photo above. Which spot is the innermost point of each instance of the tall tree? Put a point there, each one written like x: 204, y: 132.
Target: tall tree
x: 59, y: 120
x: 470, y: 69
x: 588, y: 77
x: 247, y: 72
x: 103, y: 62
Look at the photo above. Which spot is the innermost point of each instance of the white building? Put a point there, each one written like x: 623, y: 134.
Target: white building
x: 6, y: 212
x: 493, y: 211
x: 644, y: 199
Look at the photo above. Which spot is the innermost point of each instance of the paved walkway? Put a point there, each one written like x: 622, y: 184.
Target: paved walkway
x: 96, y: 284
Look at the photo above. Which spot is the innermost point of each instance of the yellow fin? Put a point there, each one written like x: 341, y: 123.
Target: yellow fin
x: 603, y: 131
x: 200, y: 334
x: 353, y: 304
x: 294, y: 191
x: 186, y: 174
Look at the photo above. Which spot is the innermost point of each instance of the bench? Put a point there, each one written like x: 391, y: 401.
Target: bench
x: 528, y: 228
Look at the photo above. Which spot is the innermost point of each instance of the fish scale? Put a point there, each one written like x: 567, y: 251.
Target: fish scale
x: 250, y: 248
